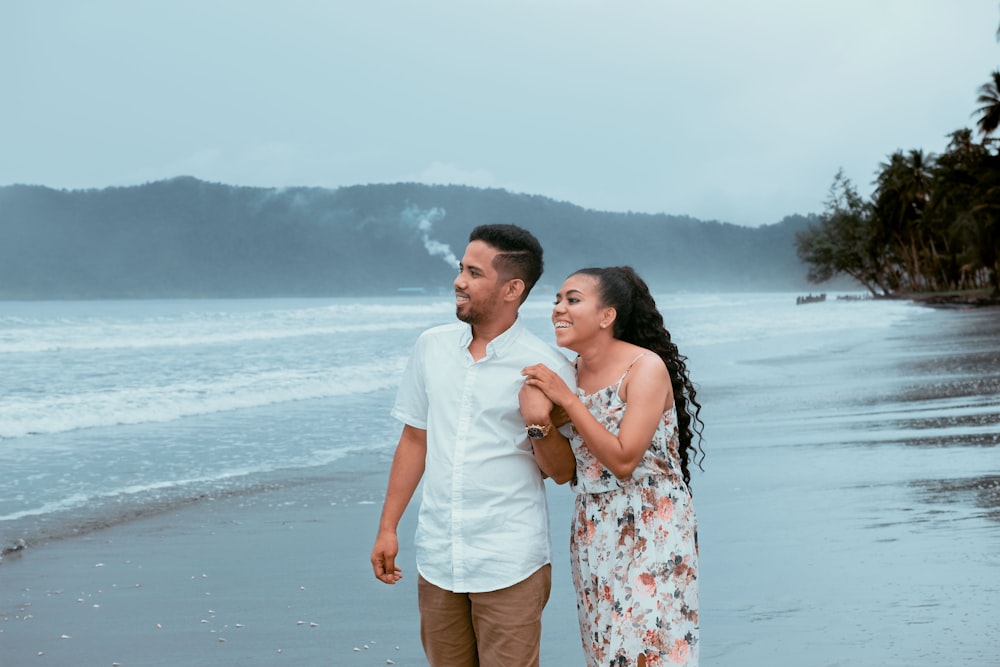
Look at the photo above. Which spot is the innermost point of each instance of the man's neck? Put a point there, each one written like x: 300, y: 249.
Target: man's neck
x: 483, y: 334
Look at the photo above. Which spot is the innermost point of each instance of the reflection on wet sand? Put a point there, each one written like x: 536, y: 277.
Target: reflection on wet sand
x: 960, y: 361
x: 858, y: 484
x: 982, y: 491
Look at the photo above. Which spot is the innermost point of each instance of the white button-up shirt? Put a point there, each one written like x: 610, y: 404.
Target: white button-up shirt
x: 483, y: 522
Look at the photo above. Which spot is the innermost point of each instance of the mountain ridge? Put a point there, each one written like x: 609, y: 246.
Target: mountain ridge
x: 184, y: 237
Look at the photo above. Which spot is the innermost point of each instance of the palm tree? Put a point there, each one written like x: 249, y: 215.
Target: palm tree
x: 953, y: 212
x: 901, y: 194
x: 989, y: 97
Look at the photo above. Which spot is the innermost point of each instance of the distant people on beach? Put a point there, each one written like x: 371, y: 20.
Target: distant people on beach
x: 633, y: 544
x: 799, y: 300
x: 821, y: 297
x: 482, y: 545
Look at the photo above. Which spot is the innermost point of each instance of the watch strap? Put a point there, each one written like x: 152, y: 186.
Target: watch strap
x: 538, y: 431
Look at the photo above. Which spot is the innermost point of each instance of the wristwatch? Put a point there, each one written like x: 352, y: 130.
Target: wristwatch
x: 538, y: 431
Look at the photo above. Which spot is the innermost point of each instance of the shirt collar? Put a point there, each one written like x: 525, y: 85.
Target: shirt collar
x: 499, y: 345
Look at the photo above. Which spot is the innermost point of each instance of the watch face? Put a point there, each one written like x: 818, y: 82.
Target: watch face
x: 536, y: 433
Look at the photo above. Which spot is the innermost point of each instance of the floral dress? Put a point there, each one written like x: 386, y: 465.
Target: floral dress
x: 634, y: 549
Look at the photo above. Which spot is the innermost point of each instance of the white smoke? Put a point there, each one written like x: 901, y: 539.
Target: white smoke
x: 424, y: 221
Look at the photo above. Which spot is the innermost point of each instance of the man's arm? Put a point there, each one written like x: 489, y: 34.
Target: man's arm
x: 553, y: 453
x: 404, y: 477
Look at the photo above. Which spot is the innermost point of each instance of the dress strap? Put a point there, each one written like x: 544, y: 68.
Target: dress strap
x: 621, y: 380
x: 631, y: 364
x: 641, y: 355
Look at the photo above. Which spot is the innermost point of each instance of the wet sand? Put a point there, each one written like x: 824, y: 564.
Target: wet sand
x: 849, y: 514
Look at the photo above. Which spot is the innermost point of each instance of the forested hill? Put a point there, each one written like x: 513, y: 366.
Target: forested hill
x: 188, y: 238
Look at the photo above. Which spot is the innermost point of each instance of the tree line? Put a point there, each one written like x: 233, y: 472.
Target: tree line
x: 932, y: 223
x: 183, y: 238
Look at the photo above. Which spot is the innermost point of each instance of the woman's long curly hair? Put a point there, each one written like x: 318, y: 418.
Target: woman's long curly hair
x: 639, y: 322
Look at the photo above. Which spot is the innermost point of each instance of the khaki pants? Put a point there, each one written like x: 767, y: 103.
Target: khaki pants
x: 496, y: 629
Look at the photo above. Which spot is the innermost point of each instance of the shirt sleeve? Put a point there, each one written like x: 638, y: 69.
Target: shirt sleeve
x: 567, y: 372
x: 411, y: 397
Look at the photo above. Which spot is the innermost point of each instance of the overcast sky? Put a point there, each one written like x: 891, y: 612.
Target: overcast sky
x: 724, y: 110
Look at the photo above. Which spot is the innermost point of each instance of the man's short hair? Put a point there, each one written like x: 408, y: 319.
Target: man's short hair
x: 519, y: 256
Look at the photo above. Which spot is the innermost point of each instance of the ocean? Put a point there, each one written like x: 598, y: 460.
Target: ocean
x: 849, y: 506
x: 114, y: 409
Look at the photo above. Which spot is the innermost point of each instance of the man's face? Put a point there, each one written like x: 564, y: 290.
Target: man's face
x: 477, y: 286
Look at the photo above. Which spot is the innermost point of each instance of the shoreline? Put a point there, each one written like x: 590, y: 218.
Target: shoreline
x: 277, y: 576
x: 960, y: 299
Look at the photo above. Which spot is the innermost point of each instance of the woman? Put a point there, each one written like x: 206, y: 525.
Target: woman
x: 633, y: 545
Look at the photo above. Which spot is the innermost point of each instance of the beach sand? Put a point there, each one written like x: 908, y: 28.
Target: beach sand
x: 849, y: 514
x: 278, y: 577
x: 271, y: 578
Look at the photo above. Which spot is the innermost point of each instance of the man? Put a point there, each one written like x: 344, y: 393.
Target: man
x: 482, y: 543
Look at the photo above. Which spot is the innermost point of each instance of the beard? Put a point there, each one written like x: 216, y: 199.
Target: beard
x: 473, y: 312
x: 469, y: 315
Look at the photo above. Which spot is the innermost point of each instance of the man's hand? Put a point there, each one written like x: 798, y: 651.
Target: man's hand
x: 550, y: 383
x: 384, y: 558
x: 404, y: 477
x: 535, y: 405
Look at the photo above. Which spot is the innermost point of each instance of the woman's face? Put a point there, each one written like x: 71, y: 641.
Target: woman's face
x: 578, y: 314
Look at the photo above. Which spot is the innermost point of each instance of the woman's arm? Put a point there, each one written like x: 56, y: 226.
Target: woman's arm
x: 648, y: 390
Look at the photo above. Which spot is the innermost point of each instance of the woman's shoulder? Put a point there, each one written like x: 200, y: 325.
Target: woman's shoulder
x: 637, y: 357
x: 646, y: 369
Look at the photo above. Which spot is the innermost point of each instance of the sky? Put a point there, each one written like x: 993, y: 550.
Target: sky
x: 726, y: 110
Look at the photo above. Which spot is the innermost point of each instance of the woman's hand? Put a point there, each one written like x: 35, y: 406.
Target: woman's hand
x: 543, y: 378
